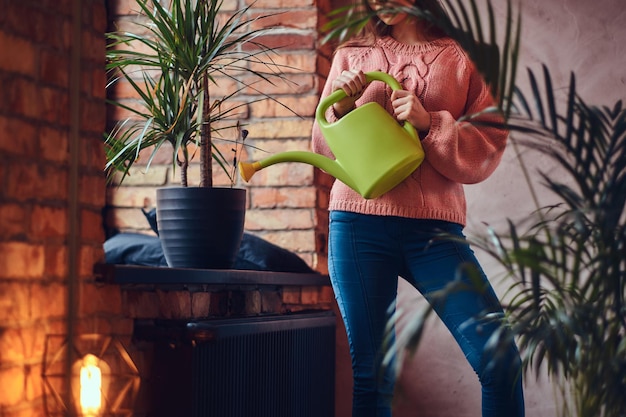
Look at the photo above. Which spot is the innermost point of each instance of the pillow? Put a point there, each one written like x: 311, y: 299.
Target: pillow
x: 259, y: 254
x: 134, y: 249
x: 151, y: 218
x: 255, y: 253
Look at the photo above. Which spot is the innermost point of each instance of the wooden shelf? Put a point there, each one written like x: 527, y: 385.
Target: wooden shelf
x: 133, y: 274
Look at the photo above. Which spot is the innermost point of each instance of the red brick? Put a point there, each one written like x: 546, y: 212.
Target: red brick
x: 174, y: 304
x: 122, y: 89
x: 271, y: 302
x: 34, y: 387
x: 291, y: 295
x: 263, y: 148
x: 279, y: 4
x: 281, y: 128
x: 21, y: 260
x: 326, y: 294
x: 286, y: 41
x: 26, y: 342
x: 119, y: 326
x: 56, y: 261
x: 122, y: 7
x: 53, y: 68
x: 200, y: 304
x: 229, y: 5
x: 13, y: 220
x: 16, y: 308
x: 278, y: 219
x: 98, y: 84
x: 12, y: 344
x: 93, y: 46
x: 219, y: 303
x: 284, y: 174
x: 287, y: 106
x: 91, y: 225
x: 17, y: 55
x: 90, y: 255
x: 17, y: 137
x: 24, y: 98
x: 53, y: 144
x: 99, y: 14
x: 48, y: 300
x: 97, y: 299
x: 51, y: 183
x: 93, y: 115
x: 279, y: 197
x: 310, y: 295
x: 12, y: 382
x: 289, y: 83
x: 92, y: 156
x: 52, y: 105
x: 132, y: 196
x: 297, y: 19
x: 125, y: 219
x: 92, y: 190
x: 155, y: 175
x: 253, y: 302
x: 293, y: 240
x: 48, y: 222
x: 290, y: 62
x: 223, y: 86
x: 140, y: 304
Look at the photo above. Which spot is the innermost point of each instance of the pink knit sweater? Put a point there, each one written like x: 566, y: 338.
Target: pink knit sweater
x: 457, y: 152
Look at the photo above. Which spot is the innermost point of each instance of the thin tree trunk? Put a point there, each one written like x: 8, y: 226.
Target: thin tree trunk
x: 183, y: 165
x: 206, y: 166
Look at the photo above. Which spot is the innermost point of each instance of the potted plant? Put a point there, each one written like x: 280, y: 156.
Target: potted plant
x: 173, y: 62
x: 565, y: 263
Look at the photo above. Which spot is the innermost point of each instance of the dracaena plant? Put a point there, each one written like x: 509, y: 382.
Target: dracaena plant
x: 565, y: 264
x: 173, y: 61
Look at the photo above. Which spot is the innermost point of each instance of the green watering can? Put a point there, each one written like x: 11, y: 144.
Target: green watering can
x: 373, y: 152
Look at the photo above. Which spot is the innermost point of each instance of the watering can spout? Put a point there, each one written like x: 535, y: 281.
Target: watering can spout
x: 248, y: 169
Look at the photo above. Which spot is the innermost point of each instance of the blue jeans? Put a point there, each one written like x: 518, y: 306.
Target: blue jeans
x: 366, y: 255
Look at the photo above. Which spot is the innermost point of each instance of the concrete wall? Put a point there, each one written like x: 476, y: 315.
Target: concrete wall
x: 589, y: 39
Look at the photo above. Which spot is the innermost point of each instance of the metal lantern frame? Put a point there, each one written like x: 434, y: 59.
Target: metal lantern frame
x: 123, y: 377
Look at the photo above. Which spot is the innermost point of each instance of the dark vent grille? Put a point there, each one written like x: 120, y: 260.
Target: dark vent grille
x: 255, y: 367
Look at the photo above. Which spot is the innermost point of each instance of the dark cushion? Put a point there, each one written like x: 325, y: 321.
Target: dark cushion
x: 134, y: 249
x: 255, y: 253
x: 151, y: 218
x: 259, y: 254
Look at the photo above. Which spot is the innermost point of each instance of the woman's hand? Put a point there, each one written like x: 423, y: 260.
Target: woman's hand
x: 407, y: 107
x: 353, y: 83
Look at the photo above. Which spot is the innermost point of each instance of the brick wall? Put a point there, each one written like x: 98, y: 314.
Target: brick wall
x: 282, y: 199
x: 36, y: 43
x: 286, y: 204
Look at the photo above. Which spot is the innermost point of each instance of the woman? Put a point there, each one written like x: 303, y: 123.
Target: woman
x: 373, y: 241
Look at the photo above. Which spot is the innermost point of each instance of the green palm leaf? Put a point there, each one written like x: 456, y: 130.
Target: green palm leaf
x: 171, y: 62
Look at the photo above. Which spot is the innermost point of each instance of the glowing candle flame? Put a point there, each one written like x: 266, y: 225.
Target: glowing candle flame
x: 90, y: 386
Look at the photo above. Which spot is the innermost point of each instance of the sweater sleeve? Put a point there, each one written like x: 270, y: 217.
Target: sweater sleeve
x: 463, y: 150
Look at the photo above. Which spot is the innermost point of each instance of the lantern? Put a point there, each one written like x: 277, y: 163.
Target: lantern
x: 104, y: 380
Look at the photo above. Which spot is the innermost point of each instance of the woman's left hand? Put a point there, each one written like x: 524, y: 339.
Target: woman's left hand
x: 407, y: 107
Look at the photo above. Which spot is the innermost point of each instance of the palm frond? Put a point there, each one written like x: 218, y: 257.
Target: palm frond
x: 166, y: 62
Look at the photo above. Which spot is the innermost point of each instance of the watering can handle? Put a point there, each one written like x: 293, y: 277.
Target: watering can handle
x: 335, y: 96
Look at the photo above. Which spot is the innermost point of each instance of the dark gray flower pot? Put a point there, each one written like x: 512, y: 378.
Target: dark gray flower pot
x: 201, y: 227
